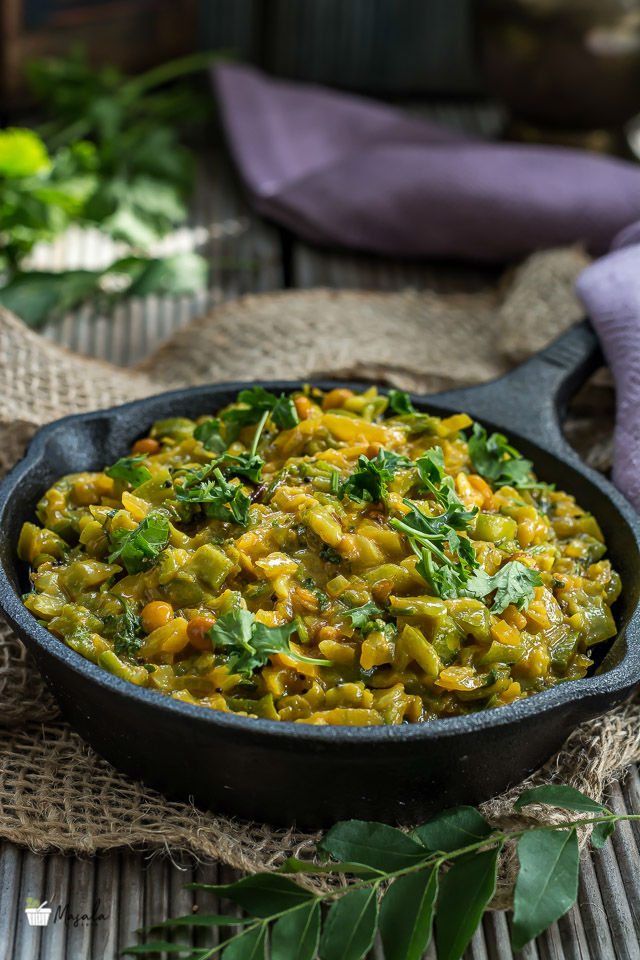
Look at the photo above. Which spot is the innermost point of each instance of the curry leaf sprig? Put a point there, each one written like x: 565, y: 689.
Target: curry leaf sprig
x: 439, y: 879
x: 249, y: 643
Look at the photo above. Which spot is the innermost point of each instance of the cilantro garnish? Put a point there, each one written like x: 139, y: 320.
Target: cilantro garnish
x: 514, y: 583
x: 124, y: 629
x: 250, y: 643
x: 495, y: 460
x: 428, y: 537
x: 208, y: 433
x: 400, y: 402
x: 369, y: 482
x: 224, y: 501
x: 255, y: 403
x: 130, y: 470
x: 359, y: 616
x: 329, y: 554
x: 139, y: 549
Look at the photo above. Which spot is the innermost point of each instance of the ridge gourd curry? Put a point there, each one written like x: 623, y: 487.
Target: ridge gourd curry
x: 323, y: 558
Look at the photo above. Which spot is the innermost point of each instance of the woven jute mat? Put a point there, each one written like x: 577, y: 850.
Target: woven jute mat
x: 55, y: 792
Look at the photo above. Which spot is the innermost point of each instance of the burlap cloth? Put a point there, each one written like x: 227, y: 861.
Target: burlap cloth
x: 55, y: 792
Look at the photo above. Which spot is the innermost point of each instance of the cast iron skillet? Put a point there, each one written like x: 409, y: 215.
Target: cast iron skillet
x: 286, y: 772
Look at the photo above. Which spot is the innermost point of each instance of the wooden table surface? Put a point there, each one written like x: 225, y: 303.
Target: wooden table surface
x: 123, y: 890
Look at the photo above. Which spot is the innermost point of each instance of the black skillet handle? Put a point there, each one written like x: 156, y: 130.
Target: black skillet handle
x: 532, y: 399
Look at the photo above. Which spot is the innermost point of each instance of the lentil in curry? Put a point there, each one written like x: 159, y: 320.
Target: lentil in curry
x: 325, y: 558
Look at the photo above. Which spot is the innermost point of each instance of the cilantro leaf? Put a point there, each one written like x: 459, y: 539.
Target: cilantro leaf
x: 125, y: 629
x: 254, y: 404
x: 359, y: 616
x: 428, y: 535
x: 224, y: 501
x: 514, y: 583
x: 208, y: 433
x: 329, y: 554
x: 139, y: 549
x: 250, y: 643
x: 369, y: 482
x: 284, y: 413
x: 400, y: 402
x: 130, y: 470
x: 244, y: 464
x: 496, y: 461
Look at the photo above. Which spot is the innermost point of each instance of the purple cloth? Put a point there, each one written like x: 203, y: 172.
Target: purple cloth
x: 610, y: 292
x: 339, y: 169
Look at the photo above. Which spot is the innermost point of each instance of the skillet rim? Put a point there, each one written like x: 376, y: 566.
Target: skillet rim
x: 619, y: 679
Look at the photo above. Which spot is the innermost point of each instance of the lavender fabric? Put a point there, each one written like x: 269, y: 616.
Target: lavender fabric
x: 339, y: 169
x: 610, y: 292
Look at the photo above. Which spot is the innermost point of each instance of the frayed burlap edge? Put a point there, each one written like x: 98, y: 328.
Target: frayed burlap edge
x: 56, y: 794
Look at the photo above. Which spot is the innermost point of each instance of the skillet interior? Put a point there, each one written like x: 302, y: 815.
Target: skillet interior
x: 283, y: 772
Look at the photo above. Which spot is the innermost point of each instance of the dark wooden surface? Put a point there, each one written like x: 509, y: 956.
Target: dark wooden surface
x: 135, y: 888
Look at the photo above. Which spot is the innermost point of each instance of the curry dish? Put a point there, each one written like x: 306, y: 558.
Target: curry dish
x: 324, y: 558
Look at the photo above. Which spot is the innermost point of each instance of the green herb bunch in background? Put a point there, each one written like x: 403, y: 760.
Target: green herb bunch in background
x: 438, y: 878
x: 110, y: 157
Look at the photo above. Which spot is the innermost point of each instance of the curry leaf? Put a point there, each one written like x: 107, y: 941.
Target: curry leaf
x: 350, y: 926
x: 547, y: 883
x: 261, y: 895
x: 130, y: 470
x: 453, y: 829
x: 568, y: 798
x: 372, y: 844
x: 139, y: 549
x: 406, y: 915
x: 559, y: 795
x: 465, y: 891
x: 201, y: 920
x: 251, y: 945
x: 296, y: 935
